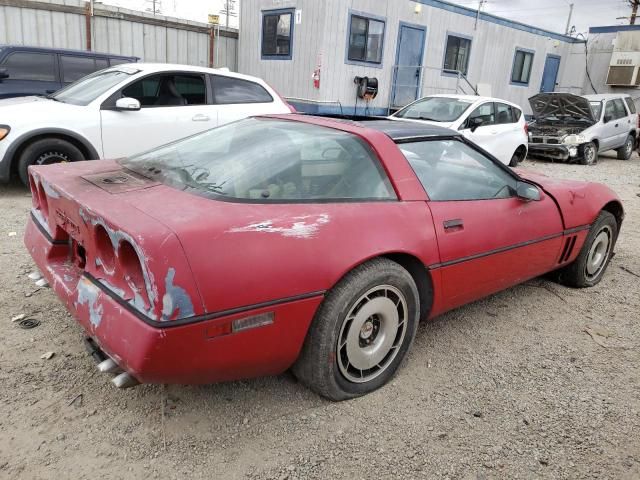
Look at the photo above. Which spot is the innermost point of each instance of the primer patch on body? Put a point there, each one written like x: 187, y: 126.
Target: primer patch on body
x: 304, y: 226
x: 175, y: 299
x: 88, y: 295
x: 49, y: 190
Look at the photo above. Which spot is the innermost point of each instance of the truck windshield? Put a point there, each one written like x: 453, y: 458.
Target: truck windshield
x: 87, y: 89
x: 266, y: 160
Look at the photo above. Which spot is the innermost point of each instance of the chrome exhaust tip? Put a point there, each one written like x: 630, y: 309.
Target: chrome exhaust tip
x: 108, y: 366
x: 125, y: 380
x: 35, y: 275
x: 42, y: 283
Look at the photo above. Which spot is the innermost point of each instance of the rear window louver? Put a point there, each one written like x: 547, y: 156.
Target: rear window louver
x: 569, y: 243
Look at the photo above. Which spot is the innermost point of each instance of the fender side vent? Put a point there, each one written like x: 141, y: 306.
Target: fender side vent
x: 568, y: 249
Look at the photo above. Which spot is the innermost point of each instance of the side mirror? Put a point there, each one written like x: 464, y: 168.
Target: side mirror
x: 127, y: 103
x: 527, y: 192
x: 474, y: 123
x: 3, y: 73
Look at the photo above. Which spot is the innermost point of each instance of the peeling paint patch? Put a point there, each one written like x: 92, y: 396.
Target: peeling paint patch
x: 49, y: 190
x: 304, y: 226
x: 88, y: 295
x: 175, y: 299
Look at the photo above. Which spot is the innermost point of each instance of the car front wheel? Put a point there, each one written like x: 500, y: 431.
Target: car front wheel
x: 589, y: 154
x: 46, y: 151
x: 592, y: 261
x: 361, y: 332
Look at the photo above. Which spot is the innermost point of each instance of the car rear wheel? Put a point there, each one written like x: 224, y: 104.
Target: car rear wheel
x: 518, y: 156
x: 589, y: 154
x: 624, y: 152
x: 592, y: 261
x: 361, y: 332
x: 46, y: 151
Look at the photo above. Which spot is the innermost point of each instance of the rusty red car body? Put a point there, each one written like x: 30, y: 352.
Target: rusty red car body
x: 205, y: 263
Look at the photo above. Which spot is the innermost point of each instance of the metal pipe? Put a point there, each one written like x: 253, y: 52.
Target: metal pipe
x: 108, y: 366
x: 125, y: 380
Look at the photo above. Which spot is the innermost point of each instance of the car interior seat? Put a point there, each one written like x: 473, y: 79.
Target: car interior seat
x: 169, y: 95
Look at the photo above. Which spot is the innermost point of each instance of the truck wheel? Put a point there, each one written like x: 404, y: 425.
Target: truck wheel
x: 624, y: 152
x: 589, y: 154
x: 589, y: 267
x: 46, y: 151
x: 361, y: 332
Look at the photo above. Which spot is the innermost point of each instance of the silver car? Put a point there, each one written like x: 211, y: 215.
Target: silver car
x: 576, y: 128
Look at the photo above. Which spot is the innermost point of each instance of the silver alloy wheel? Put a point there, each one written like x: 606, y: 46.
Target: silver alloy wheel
x: 628, y: 147
x: 372, y: 333
x: 48, y: 158
x: 589, y: 154
x: 599, y: 252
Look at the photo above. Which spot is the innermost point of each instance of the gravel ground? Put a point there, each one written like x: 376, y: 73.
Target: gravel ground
x: 508, y: 387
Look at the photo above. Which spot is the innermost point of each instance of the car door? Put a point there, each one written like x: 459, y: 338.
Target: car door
x: 486, y: 134
x: 509, y: 132
x: 611, y: 126
x: 624, y: 120
x: 173, y: 106
x: 237, y: 98
x: 29, y: 73
x: 488, y: 237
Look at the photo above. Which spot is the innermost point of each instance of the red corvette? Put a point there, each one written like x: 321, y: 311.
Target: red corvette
x: 299, y: 242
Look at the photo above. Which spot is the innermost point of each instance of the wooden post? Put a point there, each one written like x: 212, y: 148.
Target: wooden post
x: 211, y: 46
x: 87, y: 17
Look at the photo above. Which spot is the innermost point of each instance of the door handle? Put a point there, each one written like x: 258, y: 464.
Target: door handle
x: 493, y: 132
x: 616, y: 125
x: 200, y: 118
x: 453, y: 224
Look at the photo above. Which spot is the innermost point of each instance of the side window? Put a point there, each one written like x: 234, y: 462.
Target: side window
x: 366, y: 36
x: 630, y: 104
x: 522, y: 63
x: 621, y: 111
x: 101, y: 63
x: 277, y: 30
x: 228, y: 90
x: 504, y: 113
x: 168, y: 91
x: 451, y: 170
x: 517, y: 113
x: 31, y: 66
x: 484, y: 115
x: 74, y: 68
x: 192, y: 88
x: 456, y: 56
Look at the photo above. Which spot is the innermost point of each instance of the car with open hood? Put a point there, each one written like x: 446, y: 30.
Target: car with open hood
x: 577, y: 128
x: 293, y: 241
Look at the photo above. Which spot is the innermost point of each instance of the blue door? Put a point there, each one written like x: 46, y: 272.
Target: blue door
x: 550, y: 74
x: 408, y: 71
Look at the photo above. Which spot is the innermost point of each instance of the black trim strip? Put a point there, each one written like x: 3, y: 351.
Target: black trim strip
x: 45, y: 233
x: 510, y: 247
x: 197, y: 318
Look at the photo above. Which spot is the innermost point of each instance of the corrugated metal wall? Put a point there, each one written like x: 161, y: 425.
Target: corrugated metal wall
x: 323, y: 32
x: 62, y: 24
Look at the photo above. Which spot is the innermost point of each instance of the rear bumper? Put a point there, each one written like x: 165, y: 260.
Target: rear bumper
x: 186, y: 353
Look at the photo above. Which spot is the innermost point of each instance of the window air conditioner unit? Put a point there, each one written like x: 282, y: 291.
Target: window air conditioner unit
x: 624, y: 68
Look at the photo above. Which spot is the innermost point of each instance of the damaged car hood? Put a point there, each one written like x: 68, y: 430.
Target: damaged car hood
x: 561, y: 106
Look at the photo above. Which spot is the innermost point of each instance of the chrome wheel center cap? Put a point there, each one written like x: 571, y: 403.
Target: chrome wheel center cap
x: 366, y: 330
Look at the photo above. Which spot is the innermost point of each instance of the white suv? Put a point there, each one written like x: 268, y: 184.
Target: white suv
x: 495, y: 125
x: 125, y: 110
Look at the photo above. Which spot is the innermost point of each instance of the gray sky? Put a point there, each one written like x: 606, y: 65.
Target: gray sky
x: 552, y: 14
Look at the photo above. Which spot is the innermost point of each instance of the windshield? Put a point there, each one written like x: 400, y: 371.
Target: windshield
x: 596, y: 107
x: 268, y: 160
x: 437, y: 109
x: 88, y: 88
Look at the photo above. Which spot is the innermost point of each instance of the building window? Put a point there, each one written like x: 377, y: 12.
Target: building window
x: 277, y: 34
x: 522, y: 63
x: 366, y: 36
x: 456, y: 55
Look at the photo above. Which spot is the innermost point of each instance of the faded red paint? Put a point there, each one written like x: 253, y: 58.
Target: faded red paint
x: 202, y: 257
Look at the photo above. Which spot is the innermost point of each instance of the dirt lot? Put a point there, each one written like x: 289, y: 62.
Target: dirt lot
x: 509, y: 387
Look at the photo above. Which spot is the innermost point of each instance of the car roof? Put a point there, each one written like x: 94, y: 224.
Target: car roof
x: 4, y: 47
x: 394, y: 129
x: 170, y: 67
x: 605, y: 96
x: 472, y: 98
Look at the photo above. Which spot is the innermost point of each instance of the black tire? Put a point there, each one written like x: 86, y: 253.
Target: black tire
x: 44, y: 152
x: 624, y: 152
x: 517, y: 157
x: 589, y: 154
x: 577, y: 274
x: 321, y: 365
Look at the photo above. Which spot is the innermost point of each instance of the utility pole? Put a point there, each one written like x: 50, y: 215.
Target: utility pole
x: 634, y: 11
x: 566, y: 30
x: 480, y: 5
